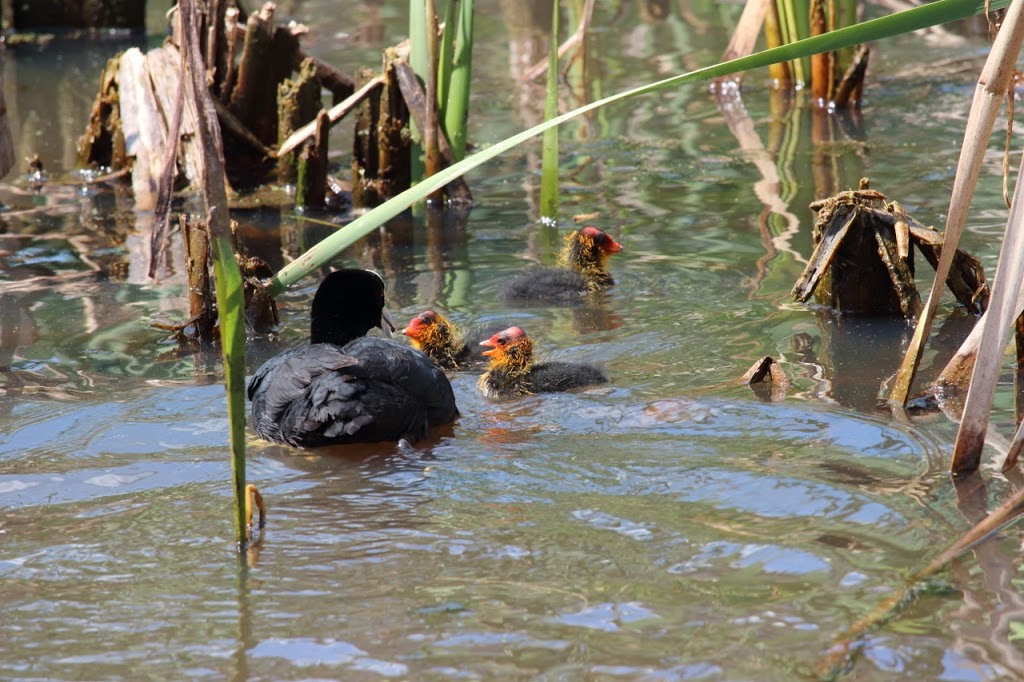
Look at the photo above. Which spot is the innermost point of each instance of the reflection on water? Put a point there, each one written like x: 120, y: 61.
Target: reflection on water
x: 669, y: 525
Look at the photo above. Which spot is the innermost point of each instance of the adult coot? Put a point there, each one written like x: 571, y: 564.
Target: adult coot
x: 345, y: 387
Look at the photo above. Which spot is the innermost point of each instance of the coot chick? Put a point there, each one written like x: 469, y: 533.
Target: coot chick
x: 345, y: 387
x: 511, y: 372
x: 444, y: 342
x: 582, y: 269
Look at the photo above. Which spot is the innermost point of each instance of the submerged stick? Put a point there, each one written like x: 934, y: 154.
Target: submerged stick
x: 848, y: 90
x: 836, y: 659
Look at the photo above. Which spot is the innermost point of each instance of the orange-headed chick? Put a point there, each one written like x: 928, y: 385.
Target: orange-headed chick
x: 441, y: 340
x: 582, y: 270
x: 445, y: 343
x: 512, y: 372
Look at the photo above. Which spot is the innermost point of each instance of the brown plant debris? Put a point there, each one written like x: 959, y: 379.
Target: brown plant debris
x: 863, y: 255
x: 848, y: 92
x: 260, y: 309
x: 767, y: 373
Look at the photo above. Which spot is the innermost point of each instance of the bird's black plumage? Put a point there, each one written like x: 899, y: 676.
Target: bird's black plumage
x: 554, y: 376
x: 546, y: 284
x: 346, y: 387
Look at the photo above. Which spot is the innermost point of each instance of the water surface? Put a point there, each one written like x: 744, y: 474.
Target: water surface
x: 670, y: 525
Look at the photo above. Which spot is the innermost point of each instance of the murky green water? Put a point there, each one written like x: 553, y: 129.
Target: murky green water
x: 669, y: 526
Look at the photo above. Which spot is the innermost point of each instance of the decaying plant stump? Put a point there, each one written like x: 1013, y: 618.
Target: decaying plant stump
x: 863, y: 260
x: 259, y: 105
x: 132, y: 115
x: 200, y: 328
x: 298, y: 103
x: 381, y: 165
x: 147, y: 119
x: 311, y: 190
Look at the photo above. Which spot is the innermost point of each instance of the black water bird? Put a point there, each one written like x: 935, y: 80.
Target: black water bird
x: 345, y: 387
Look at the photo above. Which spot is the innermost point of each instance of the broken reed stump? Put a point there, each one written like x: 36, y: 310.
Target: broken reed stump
x: 103, y: 143
x: 311, y: 186
x: 129, y: 125
x: 381, y: 163
x: 258, y: 105
x: 202, y: 323
x: 267, y: 58
x: 851, y: 86
x: 200, y: 328
x: 298, y: 103
x: 863, y: 261
x: 260, y: 308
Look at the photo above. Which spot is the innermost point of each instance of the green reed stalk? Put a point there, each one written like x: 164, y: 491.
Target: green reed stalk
x: 444, y: 56
x: 780, y: 73
x: 932, y: 14
x: 795, y: 16
x: 549, y: 158
x: 457, y: 63
x: 230, y: 298
x: 844, y: 13
x: 419, y: 60
x: 231, y: 311
x: 790, y: 35
x: 802, y: 15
